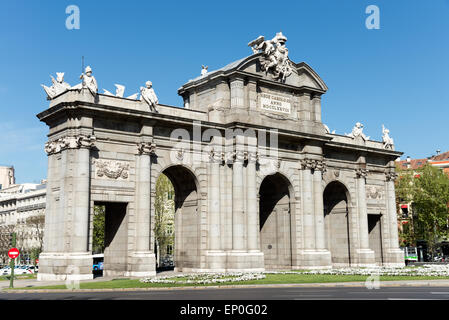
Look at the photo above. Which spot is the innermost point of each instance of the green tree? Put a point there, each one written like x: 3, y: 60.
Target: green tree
x: 430, y: 202
x: 34, y: 254
x: 404, y: 194
x: 427, y: 188
x: 99, y: 226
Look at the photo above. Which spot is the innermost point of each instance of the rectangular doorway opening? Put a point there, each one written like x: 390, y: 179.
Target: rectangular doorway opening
x: 375, y: 237
x: 110, y: 239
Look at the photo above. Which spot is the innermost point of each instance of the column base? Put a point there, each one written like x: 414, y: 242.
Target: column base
x: 215, y: 261
x: 60, y: 266
x: 365, y: 258
x: 245, y: 261
x: 140, y: 264
x: 394, y: 258
x: 314, y: 259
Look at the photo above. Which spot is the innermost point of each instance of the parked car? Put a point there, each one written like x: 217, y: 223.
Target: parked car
x: 4, y: 271
x: 34, y: 269
x: 18, y: 270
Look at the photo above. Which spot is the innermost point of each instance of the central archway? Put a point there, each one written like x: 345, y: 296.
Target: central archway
x: 186, y: 218
x: 275, y: 222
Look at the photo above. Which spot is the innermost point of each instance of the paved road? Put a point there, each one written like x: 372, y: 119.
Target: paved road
x: 288, y: 293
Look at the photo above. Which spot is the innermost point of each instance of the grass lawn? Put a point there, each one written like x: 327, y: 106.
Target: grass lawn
x: 20, y: 277
x: 270, y: 279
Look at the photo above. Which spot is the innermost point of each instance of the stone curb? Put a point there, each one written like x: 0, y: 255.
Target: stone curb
x: 407, y: 283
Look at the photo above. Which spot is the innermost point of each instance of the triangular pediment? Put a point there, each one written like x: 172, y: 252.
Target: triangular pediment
x: 302, y: 75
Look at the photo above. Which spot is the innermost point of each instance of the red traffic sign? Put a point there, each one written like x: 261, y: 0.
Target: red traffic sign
x: 37, y: 260
x: 13, y: 253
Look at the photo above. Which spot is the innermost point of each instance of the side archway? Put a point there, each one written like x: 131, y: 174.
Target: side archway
x: 337, y: 223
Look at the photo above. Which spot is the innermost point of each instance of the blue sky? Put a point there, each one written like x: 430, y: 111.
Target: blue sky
x: 397, y: 75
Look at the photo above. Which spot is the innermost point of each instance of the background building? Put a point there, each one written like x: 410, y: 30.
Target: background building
x: 22, y: 210
x: 6, y: 176
x: 440, y: 160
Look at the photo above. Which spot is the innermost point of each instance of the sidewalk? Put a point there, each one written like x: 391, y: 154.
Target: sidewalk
x: 23, y: 283
x: 34, y: 283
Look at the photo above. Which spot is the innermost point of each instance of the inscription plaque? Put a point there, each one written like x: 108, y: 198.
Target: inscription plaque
x: 274, y: 103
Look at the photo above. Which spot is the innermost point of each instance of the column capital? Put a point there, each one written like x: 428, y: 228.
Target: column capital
x: 313, y: 164
x: 308, y: 164
x: 391, y: 176
x: 69, y: 142
x: 237, y: 77
x: 240, y: 156
x: 321, y: 166
x: 306, y: 94
x: 215, y: 156
x: 148, y: 148
x: 252, y: 157
x: 361, y: 172
x: 229, y: 157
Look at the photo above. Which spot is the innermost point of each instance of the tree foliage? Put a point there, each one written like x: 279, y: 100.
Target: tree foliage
x: 99, y: 228
x: 5, y: 234
x: 427, y: 188
x: 164, y: 209
x: 36, y: 224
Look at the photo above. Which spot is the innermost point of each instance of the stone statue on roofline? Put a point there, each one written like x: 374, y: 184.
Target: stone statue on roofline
x: 386, y: 139
x: 58, y: 86
x: 275, y: 59
x: 119, y: 92
x: 357, y: 131
x: 89, y: 81
x: 148, y: 95
x: 203, y: 70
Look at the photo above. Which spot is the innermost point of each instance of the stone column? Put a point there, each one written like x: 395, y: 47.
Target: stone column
x: 49, y: 233
x: 391, y: 207
x: 67, y: 254
x: 316, y: 107
x: 363, y: 216
x: 308, y: 204
x: 215, y: 256
x: 237, y: 93
x: 395, y: 256
x: 319, y: 207
x: 143, y: 195
x: 81, y: 201
x: 305, y: 105
x: 252, y: 95
x: 238, y: 209
x: 216, y: 158
x: 366, y: 255
x: 142, y: 259
x: 314, y: 254
x: 252, y: 206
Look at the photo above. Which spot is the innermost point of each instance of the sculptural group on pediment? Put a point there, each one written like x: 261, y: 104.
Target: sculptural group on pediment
x: 275, y: 58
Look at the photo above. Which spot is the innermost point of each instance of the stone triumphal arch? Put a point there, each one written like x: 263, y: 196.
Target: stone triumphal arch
x: 260, y: 182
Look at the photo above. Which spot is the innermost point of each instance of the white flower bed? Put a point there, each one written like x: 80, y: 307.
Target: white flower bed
x: 206, y: 278
x: 217, y: 278
x: 426, y: 270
